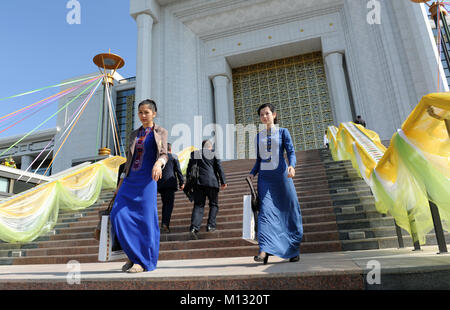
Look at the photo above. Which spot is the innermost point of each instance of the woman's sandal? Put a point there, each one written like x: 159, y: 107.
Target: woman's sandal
x: 263, y: 259
x: 136, y: 269
x: 294, y: 259
x: 127, y: 266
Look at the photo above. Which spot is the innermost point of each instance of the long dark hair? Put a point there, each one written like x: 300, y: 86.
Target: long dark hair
x: 150, y: 103
x: 272, y: 109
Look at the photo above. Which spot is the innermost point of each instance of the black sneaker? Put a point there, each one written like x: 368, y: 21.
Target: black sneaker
x: 194, y: 234
x: 210, y: 229
x: 165, y: 228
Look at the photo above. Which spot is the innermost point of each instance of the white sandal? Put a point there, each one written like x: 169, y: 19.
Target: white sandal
x: 136, y: 269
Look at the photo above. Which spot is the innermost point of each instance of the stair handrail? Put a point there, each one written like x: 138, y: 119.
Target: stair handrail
x: 413, y: 173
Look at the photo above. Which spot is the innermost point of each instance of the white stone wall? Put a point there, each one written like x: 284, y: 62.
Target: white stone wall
x: 186, y: 90
x: 196, y: 47
x: 178, y: 87
x: 421, y: 55
x: 369, y: 77
x: 390, y: 65
x: 82, y: 141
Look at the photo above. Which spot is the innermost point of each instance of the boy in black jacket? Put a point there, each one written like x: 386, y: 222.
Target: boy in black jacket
x: 167, y: 186
x: 207, y: 185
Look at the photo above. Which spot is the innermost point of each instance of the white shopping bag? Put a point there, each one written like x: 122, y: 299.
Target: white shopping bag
x: 109, y: 248
x: 248, y: 220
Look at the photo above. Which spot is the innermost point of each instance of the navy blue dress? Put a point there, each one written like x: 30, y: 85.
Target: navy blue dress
x: 134, y: 216
x: 280, y: 228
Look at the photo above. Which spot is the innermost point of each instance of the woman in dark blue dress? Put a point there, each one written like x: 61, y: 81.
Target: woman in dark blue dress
x: 280, y: 228
x: 134, y: 216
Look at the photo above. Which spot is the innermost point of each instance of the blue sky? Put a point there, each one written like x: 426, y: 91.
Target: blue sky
x: 39, y: 48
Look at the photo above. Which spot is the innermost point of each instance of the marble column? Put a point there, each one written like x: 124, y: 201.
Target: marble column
x: 144, y: 23
x: 338, y: 87
x: 221, y: 108
x: 26, y: 161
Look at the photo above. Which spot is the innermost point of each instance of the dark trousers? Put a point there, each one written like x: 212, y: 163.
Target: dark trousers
x: 167, y: 198
x: 200, y: 194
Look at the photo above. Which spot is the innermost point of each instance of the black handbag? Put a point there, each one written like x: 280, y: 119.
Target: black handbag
x: 194, y: 174
x: 191, y: 181
x: 255, y: 198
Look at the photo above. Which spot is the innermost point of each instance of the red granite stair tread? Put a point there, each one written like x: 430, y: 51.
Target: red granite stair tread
x: 225, y: 213
x: 92, y: 246
x: 250, y: 251
x: 66, y: 243
x: 74, y: 233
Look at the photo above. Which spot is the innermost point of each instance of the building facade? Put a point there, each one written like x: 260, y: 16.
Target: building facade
x: 210, y: 63
x: 34, y: 152
x: 319, y: 62
x: 84, y: 140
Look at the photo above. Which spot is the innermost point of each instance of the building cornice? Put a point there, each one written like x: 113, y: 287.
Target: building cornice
x: 47, y: 134
x: 150, y: 7
x: 191, y: 10
x: 200, y: 16
x: 274, y: 21
x: 13, y: 173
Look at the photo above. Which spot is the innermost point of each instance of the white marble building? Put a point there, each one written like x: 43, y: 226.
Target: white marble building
x: 379, y: 56
x: 320, y: 62
x: 25, y: 152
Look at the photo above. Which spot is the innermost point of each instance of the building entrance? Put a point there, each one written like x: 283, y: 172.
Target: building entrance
x: 296, y: 86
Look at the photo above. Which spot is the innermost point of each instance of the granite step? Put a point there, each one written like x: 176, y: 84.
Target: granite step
x: 301, y: 189
x: 324, y: 187
x: 228, y: 200
x: 223, y: 222
x: 300, y: 174
x: 90, y: 246
x: 313, y: 233
x: 95, y: 217
x: 236, y: 251
x: 386, y: 242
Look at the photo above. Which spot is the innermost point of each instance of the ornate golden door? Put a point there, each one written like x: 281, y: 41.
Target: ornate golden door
x: 296, y: 86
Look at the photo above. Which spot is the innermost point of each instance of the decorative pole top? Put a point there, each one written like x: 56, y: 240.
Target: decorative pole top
x: 108, y: 61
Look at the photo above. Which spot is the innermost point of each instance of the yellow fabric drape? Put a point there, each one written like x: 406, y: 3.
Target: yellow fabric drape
x: 413, y: 170
x: 26, y: 216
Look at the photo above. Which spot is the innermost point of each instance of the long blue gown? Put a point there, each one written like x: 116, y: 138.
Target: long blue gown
x: 134, y: 216
x: 280, y: 228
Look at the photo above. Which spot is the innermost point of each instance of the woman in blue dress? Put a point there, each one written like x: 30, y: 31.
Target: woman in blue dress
x: 280, y: 228
x: 134, y: 216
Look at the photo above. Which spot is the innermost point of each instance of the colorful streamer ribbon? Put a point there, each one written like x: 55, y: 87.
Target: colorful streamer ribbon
x: 49, y: 118
x: 47, y: 87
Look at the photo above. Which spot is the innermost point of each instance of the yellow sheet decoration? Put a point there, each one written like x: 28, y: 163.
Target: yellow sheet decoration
x: 26, y: 216
x: 414, y: 169
x: 184, y: 156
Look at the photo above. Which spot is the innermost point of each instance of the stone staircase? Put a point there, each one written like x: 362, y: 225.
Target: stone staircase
x: 360, y: 225
x: 337, y: 208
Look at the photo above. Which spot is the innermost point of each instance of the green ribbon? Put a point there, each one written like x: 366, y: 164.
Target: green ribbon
x: 39, y: 89
x: 49, y: 118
